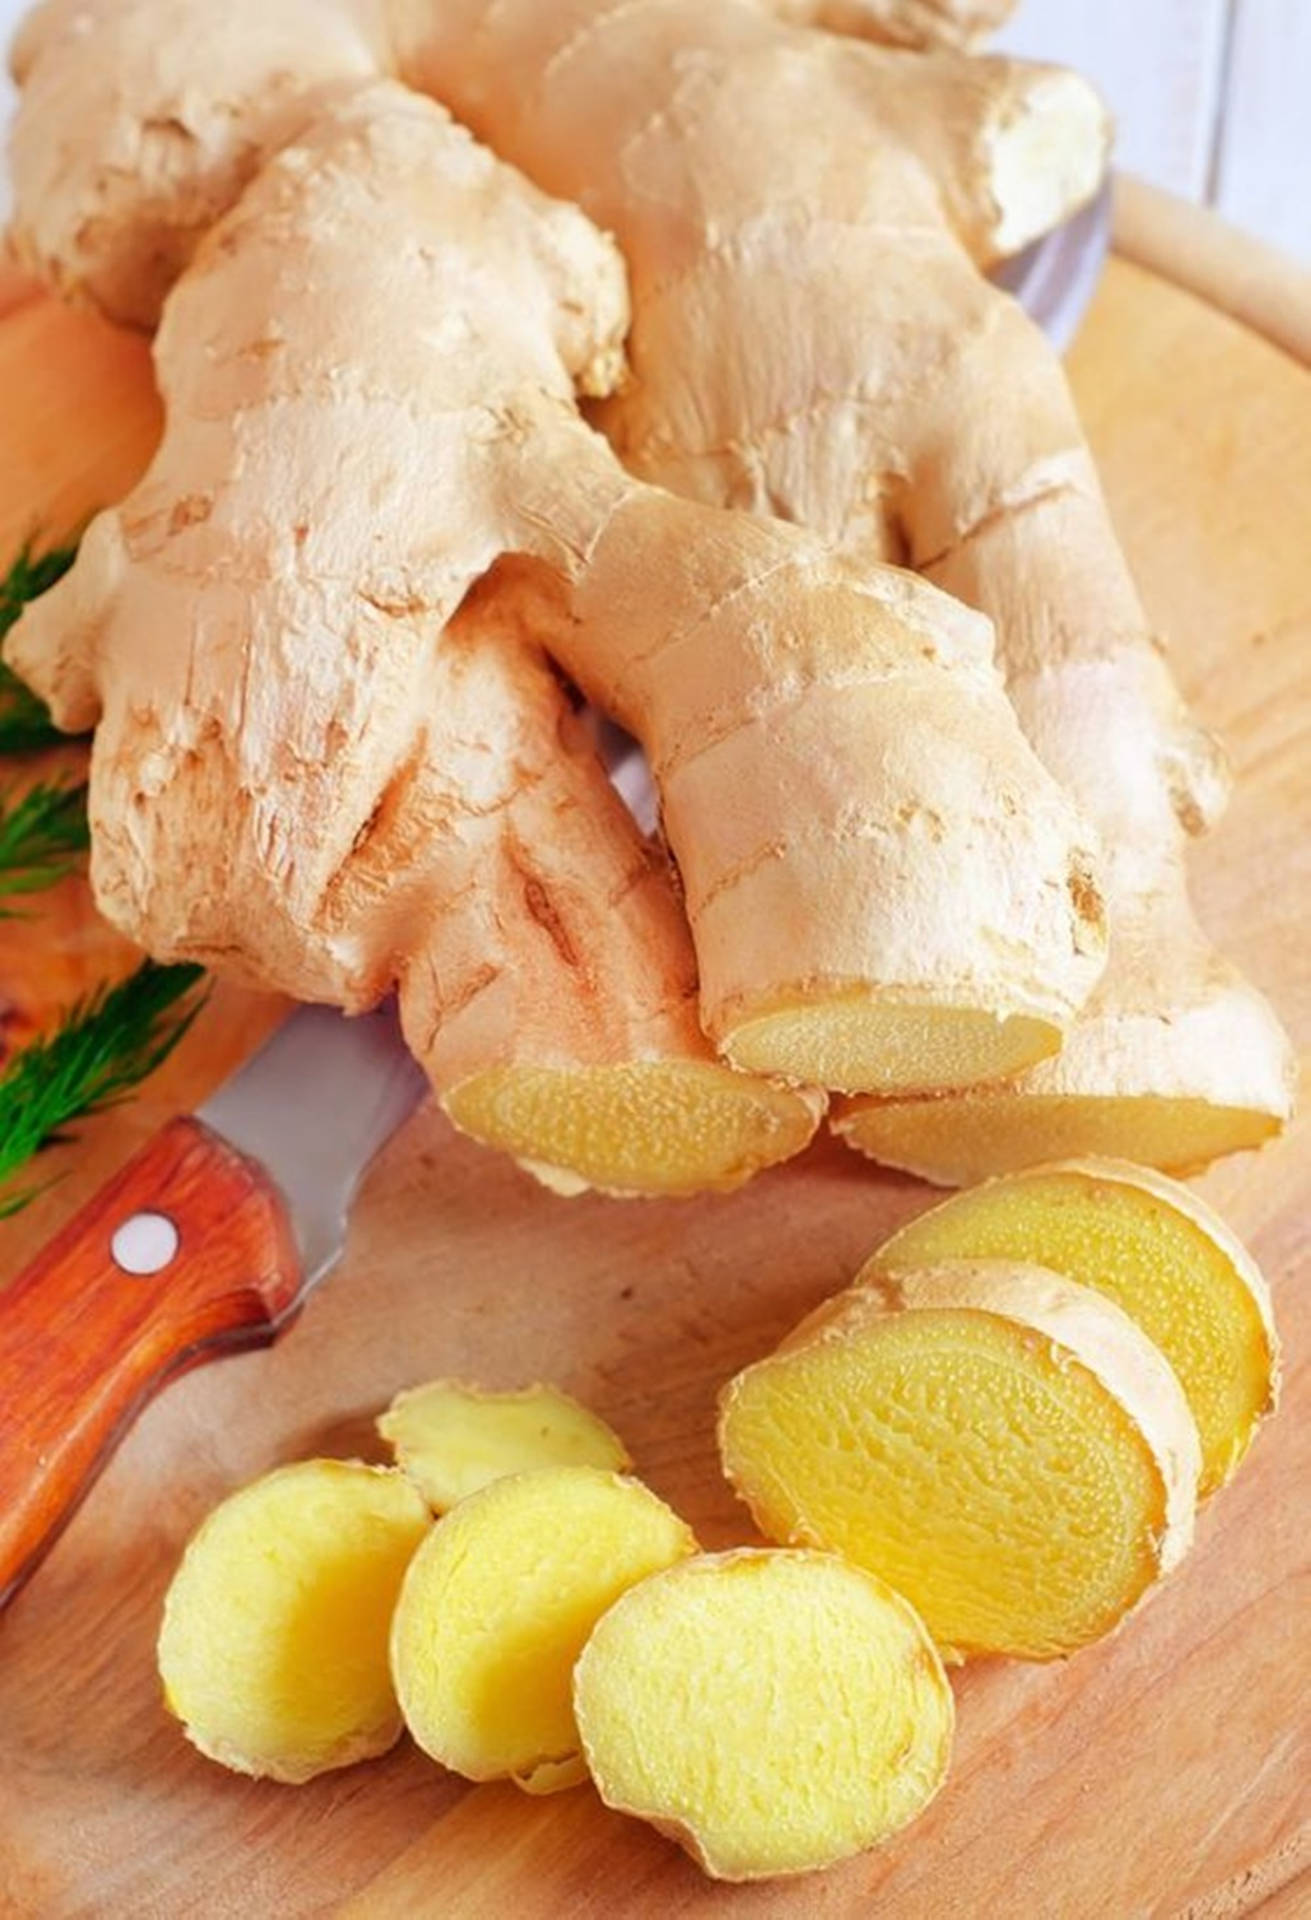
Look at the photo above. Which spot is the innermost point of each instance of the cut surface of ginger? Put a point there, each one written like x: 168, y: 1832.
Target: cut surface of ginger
x: 772, y: 1711
x: 640, y: 1127
x: 273, y: 1648
x: 974, y: 1135
x: 1151, y: 1246
x: 1003, y: 1446
x: 451, y: 1439
x: 863, y: 1044
x: 496, y: 1607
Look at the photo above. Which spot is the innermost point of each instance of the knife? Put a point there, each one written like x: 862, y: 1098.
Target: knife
x: 206, y: 1242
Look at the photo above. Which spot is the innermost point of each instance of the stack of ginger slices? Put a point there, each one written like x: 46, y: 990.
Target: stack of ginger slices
x: 994, y: 1442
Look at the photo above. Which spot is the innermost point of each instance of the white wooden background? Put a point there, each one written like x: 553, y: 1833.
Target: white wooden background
x: 1212, y: 97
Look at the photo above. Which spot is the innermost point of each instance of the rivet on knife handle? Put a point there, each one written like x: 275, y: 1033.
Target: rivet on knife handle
x: 188, y: 1250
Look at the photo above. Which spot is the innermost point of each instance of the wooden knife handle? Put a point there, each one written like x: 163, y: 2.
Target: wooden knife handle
x: 187, y: 1252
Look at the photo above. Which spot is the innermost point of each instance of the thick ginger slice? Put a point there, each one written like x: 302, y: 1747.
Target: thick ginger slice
x: 273, y: 1647
x: 1154, y: 1248
x: 1004, y: 1447
x: 451, y: 1439
x: 771, y: 1711
x: 497, y: 1605
x: 883, y: 887
x: 811, y: 338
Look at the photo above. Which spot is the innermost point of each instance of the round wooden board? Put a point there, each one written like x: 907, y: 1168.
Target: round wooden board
x: 1163, y: 1773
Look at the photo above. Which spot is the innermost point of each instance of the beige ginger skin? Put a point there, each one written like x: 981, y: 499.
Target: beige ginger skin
x: 324, y: 763
x: 887, y: 397
x: 1177, y: 1058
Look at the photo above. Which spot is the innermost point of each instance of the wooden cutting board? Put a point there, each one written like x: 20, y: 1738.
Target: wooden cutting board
x: 1164, y: 1773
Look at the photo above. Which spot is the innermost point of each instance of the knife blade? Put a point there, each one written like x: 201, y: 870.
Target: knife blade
x: 207, y: 1241
x: 1055, y: 279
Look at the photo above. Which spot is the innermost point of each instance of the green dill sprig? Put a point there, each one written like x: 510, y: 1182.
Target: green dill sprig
x: 102, y: 1047
x: 25, y: 723
x: 41, y: 834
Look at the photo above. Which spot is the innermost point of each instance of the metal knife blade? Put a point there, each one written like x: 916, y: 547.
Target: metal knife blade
x: 1055, y: 279
x: 313, y: 1107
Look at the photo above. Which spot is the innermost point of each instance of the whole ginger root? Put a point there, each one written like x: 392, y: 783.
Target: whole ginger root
x: 803, y: 217
x: 326, y: 753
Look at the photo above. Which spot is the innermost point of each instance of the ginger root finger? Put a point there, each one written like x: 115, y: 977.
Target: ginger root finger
x: 1176, y: 1059
x: 773, y: 1712
x: 173, y: 156
x: 451, y: 1439
x: 1013, y: 146
x: 273, y: 1647
x: 1157, y: 1251
x: 496, y: 1607
x: 1003, y: 1446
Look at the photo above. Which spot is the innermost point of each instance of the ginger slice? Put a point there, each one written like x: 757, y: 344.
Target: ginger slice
x: 451, y: 1439
x: 664, y: 1127
x: 497, y: 1605
x: 771, y: 1711
x: 1152, y: 1247
x: 273, y: 1648
x: 995, y: 1130
x: 1002, y: 1445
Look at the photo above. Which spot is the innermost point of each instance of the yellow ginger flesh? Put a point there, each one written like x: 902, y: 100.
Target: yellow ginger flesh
x: 497, y: 1605
x: 975, y: 1134
x: 451, y: 1439
x: 273, y: 1648
x: 637, y: 1127
x: 771, y: 1711
x: 861, y: 1041
x: 1153, y: 1248
x: 1003, y: 1446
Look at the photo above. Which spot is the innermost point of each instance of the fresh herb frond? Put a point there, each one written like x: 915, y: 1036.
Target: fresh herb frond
x: 102, y: 1047
x: 25, y: 723
x: 41, y: 833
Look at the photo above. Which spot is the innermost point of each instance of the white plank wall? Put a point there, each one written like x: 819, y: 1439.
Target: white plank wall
x: 1212, y: 97
x: 1263, y: 163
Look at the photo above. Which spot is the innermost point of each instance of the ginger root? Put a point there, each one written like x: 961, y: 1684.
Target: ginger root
x: 273, y: 1647
x: 338, y: 774
x: 890, y: 398
x: 1154, y: 1248
x: 1003, y: 1446
x: 496, y: 1607
x: 771, y: 1711
x: 451, y: 1439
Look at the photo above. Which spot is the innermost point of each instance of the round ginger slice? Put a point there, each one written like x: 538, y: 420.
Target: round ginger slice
x: 451, y: 1439
x: 273, y: 1648
x: 772, y: 1711
x: 636, y: 1128
x: 1006, y: 1448
x: 1154, y: 1248
x: 497, y: 1606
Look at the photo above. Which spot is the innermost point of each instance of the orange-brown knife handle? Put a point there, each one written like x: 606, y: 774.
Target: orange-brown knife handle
x: 188, y: 1251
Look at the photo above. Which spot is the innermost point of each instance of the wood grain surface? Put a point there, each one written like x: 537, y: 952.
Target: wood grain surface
x: 1163, y: 1773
